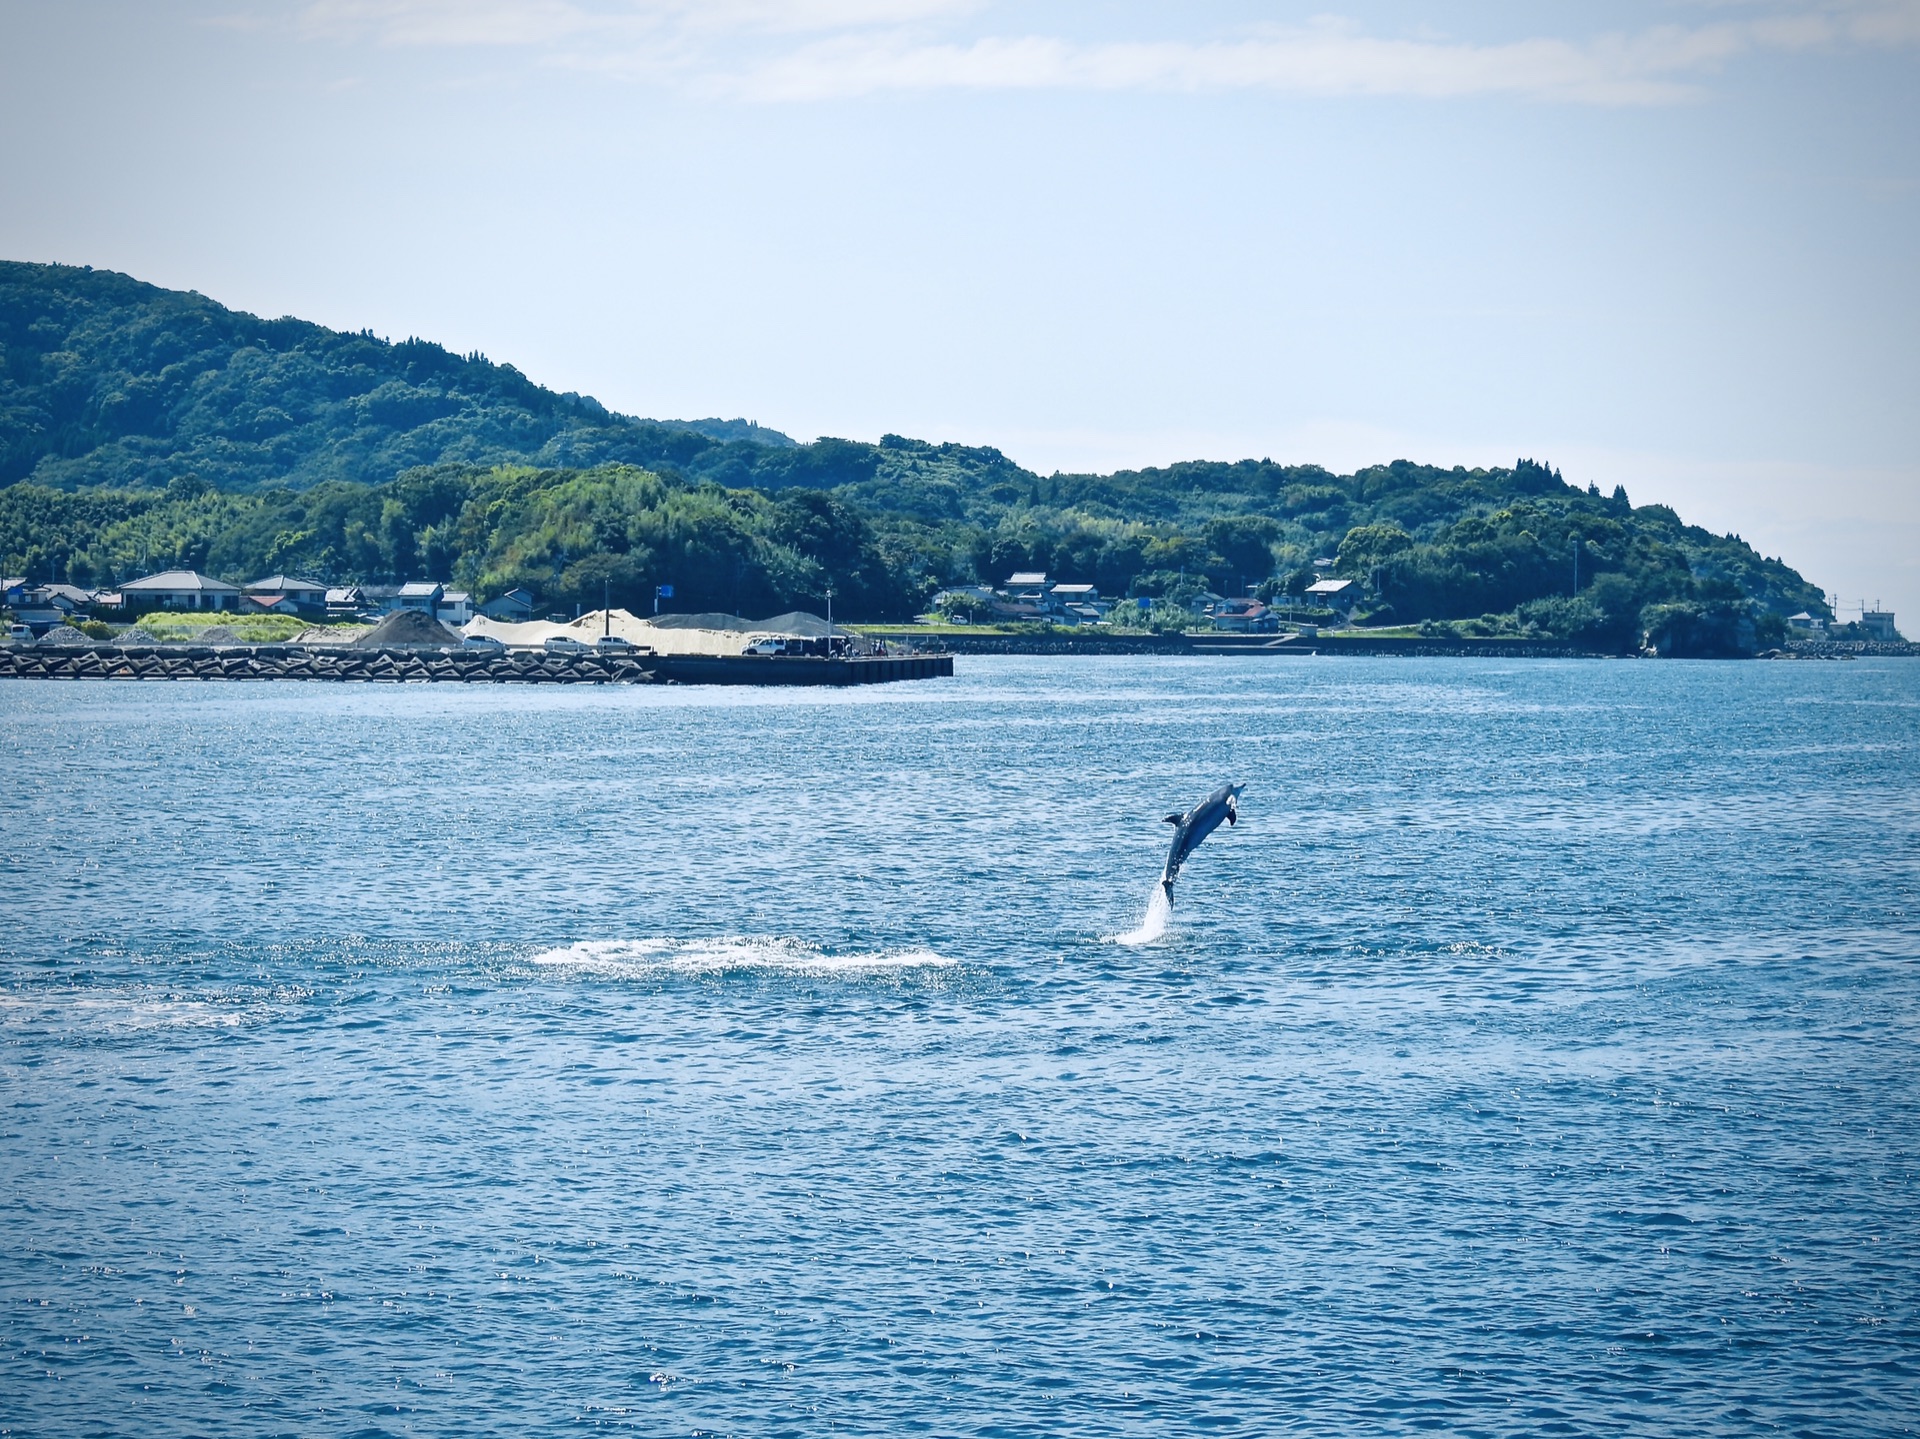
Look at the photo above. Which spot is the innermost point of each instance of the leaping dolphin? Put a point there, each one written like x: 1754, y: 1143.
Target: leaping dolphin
x: 1195, y: 825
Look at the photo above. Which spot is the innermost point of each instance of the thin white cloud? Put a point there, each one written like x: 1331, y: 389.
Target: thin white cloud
x: 555, y: 22
x: 808, y: 50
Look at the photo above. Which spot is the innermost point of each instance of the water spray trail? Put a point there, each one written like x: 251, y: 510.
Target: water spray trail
x: 1153, y: 923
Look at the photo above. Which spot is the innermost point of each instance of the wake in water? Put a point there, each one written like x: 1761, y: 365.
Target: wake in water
x: 1153, y: 923
x: 646, y: 958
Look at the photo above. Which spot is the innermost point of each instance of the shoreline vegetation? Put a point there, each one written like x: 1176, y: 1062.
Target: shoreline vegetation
x: 143, y: 429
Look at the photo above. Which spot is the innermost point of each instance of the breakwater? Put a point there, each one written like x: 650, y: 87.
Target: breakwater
x: 400, y: 665
x: 296, y: 662
x: 1277, y: 646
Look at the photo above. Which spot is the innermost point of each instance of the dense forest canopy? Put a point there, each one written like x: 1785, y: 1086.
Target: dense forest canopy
x: 142, y: 429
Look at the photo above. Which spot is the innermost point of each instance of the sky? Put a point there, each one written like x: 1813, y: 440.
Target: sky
x: 1670, y: 244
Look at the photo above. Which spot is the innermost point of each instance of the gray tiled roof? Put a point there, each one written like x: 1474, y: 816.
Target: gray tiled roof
x: 179, y: 580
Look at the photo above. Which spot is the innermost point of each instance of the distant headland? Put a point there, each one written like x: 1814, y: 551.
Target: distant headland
x: 144, y: 429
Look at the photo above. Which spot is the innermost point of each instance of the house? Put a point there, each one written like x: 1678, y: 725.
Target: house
x: 514, y: 607
x: 1077, y: 602
x: 456, y: 608
x: 13, y: 590
x: 1245, y: 617
x: 1333, y: 593
x: 65, y: 600
x: 1879, y: 624
x: 70, y: 598
x: 283, y: 594
x: 422, y: 595
x: 180, y: 590
x: 1806, y: 623
x: 345, y: 600
x: 1028, y: 587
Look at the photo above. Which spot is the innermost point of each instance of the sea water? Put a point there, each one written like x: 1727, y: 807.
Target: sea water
x: 1537, y: 1055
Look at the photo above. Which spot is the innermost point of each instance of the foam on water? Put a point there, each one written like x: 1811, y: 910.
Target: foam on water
x: 646, y: 958
x: 1153, y: 923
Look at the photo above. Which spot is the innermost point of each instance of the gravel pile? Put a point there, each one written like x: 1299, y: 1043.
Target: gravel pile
x: 408, y: 627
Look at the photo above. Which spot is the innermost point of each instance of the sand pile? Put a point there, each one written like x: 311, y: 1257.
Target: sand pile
x: 702, y: 634
x: 408, y: 627
x: 219, y: 635
x: 63, y: 635
x: 330, y: 634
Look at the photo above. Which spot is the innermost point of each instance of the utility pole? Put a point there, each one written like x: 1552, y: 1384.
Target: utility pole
x: 606, y: 606
x: 829, y: 619
x: 1576, y: 566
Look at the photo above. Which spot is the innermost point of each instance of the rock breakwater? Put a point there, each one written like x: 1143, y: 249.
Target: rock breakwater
x: 337, y: 662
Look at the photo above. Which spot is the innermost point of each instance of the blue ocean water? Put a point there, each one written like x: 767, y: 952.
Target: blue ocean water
x: 1537, y: 1056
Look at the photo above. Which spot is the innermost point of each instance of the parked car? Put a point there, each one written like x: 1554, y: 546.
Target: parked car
x: 19, y: 634
x: 566, y: 645
x: 484, y: 644
x: 613, y: 645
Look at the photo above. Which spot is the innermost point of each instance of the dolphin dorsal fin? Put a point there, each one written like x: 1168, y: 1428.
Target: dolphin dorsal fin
x: 1171, y: 818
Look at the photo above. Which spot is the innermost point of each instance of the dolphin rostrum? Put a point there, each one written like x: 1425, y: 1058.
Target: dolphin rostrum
x: 1195, y: 825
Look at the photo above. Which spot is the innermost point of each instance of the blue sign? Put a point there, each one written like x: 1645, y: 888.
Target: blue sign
x: 663, y: 592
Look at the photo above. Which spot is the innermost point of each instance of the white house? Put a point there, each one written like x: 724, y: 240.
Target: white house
x: 456, y: 607
x: 180, y: 590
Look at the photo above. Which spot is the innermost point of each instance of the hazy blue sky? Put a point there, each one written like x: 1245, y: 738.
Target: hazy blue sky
x: 1671, y: 245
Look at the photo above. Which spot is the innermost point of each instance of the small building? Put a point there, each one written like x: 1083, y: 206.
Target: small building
x: 1245, y: 617
x: 1805, y: 623
x: 180, y: 590
x: 456, y: 608
x: 514, y: 607
x: 1333, y: 593
x: 1074, y: 594
x: 13, y: 590
x: 345, y: 600
x: 422, y: 595
x: 1879, y: 624
x: 284, y: 594
x: 70, y: 598
x: 1022, y: 581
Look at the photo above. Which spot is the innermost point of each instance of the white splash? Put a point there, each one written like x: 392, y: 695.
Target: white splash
x: 646, y: 958
x: 1153, y: 923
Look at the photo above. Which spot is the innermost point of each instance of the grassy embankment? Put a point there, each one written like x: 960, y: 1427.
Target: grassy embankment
x: 251, y: 629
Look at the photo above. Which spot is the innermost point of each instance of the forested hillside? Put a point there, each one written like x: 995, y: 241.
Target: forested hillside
x: 152, y: 429
x: 106, y: 380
